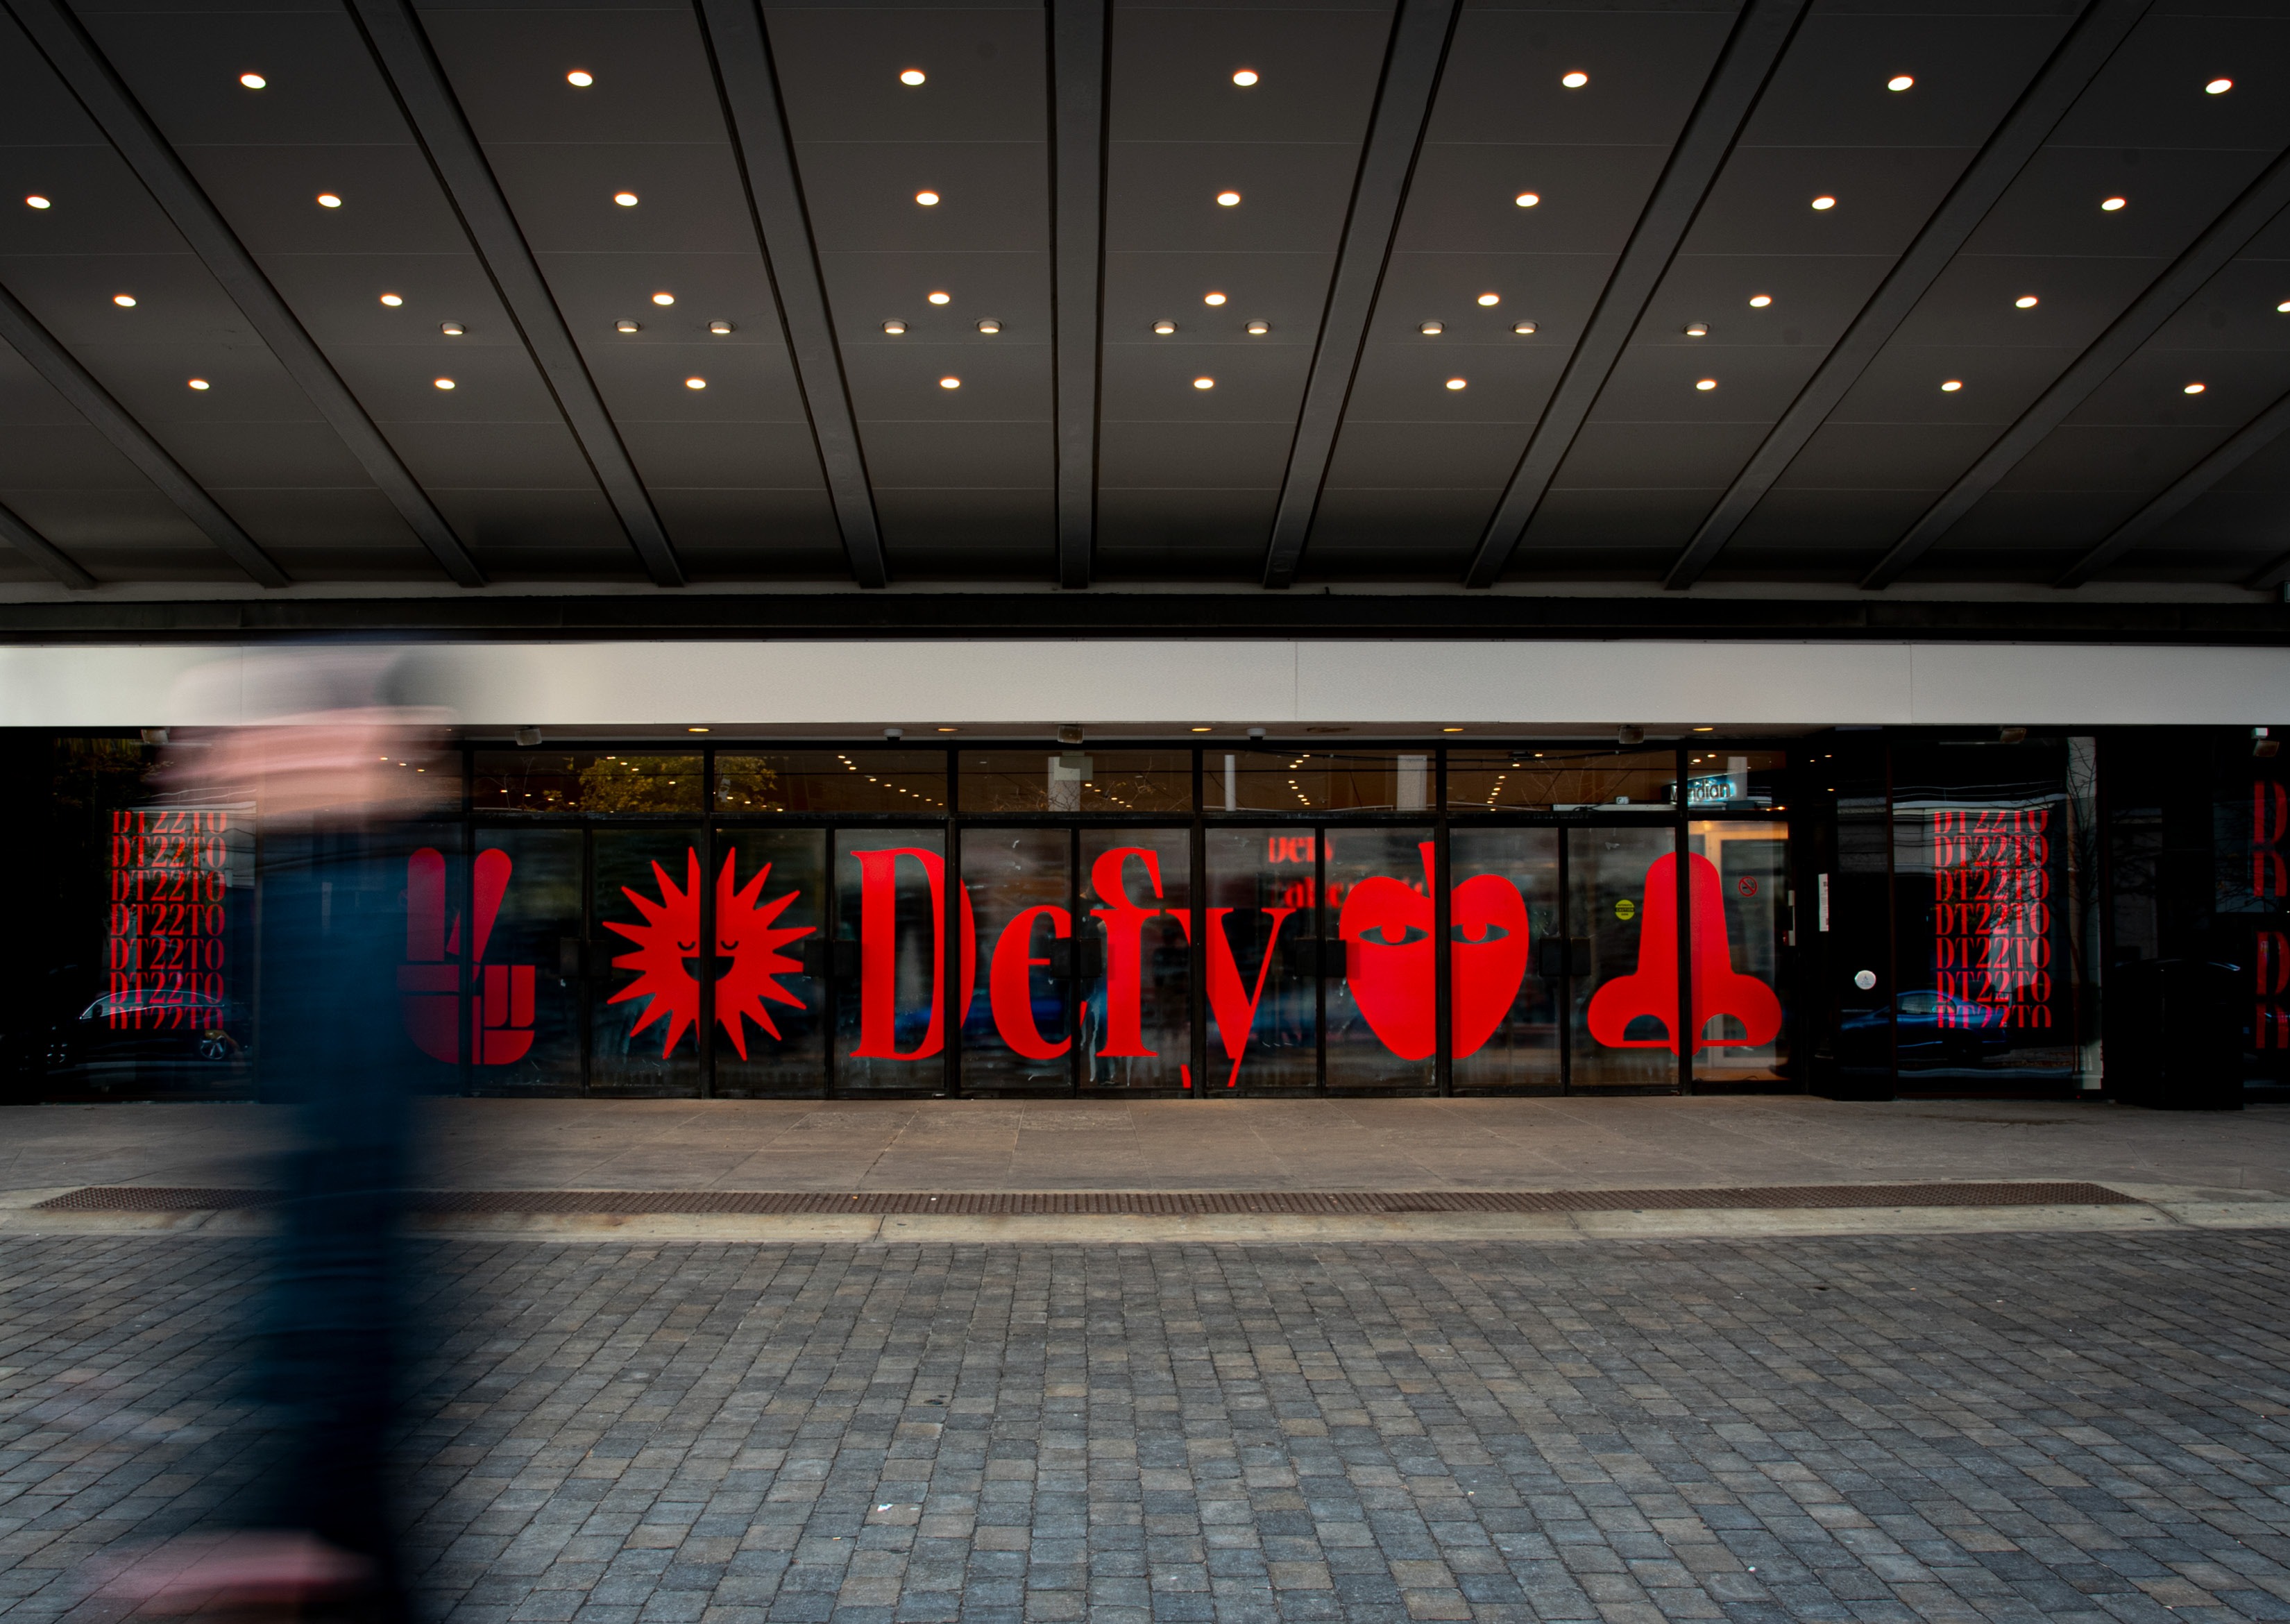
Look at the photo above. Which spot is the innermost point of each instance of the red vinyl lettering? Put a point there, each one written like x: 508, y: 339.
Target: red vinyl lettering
x: 878, y: 954
x: 1010, y: 983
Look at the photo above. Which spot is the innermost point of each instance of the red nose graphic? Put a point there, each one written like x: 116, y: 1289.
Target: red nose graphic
x: 1718, y: 989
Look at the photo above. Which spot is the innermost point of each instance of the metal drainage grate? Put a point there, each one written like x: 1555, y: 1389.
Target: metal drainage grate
x: 155, y: 1198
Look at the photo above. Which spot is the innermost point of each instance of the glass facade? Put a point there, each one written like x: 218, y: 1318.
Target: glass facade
x: 1910, y: 911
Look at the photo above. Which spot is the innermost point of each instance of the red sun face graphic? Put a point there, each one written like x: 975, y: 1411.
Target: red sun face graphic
x: 747, y: 941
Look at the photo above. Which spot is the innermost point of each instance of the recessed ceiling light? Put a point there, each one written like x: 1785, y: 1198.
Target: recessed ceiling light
x: 2026, y: 302
x: 625, y: 325
x: 2218, y: 87
x: 912, y: 76
x: 1212, y: 298
x: 580, y: 78
x: 200, y: 383
x: 719, y: 328
x: 327, y: 200
x: 392, y: 299
x: 1245, y: 77
x: 1165, y: 327
x: 36, y: 201
x: 125, y: 302
x: 1522, y: 328
x: 1490, y: 299
x: 695, y: 383
x: 451, y: 330
x: 1824, y: 203
x: 1759, y: 301
x: 1227, y: 200
x: 663, y: 298
x: 1450, y: 730
x: 1457, y: 383
x: 940, y: 298
x: 627, y: 200
x: 929, y: 200
x: 2284, y: 307
x: 1432, y: 330
x: 1697, y: 330
x: 1204, y: 383
x: 1951, y: 385
x: 1575, y: 80
x: 1257, y: 330
x: 1705, y: 730
x: 1899, y: 82
x: 2113, y: 203
x: 895, y: 328
x: 1528, y: 200
x: 695, y: 730
x: 1706, y: 383
x: 990, y: 326
x: 2192, y: 388
x: 253, y: 81
x: 444, y: 383
x: 949, y: 383
x: 1200, y: 730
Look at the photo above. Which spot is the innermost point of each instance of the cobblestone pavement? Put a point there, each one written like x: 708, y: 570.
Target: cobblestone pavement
x: 2077, y: 1427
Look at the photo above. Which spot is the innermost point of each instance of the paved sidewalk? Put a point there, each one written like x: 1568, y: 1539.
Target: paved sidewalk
x: 2077, y: 1429
x: 1629, y: 1142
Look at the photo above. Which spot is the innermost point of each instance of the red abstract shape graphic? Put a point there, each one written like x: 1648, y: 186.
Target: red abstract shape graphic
x: 878, y: 954
x: 1386, y: 925
x: 1010, y: 982
x: 1718, y: 989
x: 667, y: 942
x: 430, y: 983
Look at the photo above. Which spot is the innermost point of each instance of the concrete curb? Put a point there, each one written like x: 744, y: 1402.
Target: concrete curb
x: 2160, y: 1207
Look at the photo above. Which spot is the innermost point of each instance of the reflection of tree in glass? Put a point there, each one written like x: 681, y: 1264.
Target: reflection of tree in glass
x: 747, y: 783
x: 640, y: 783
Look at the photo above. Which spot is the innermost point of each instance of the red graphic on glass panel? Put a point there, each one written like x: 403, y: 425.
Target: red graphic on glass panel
x: 1125, y: 921
x: 2271, y: 960
x: 164, y: 954
x: 878, y: 955
x: 747, y: 943
x: 1386, y: 925
x: 1010, y: 982
x: 2269, y: 820
x: 1992, y: 916
x: 1234, y: 1005
x: 1652, y: 989
x: 430, y: 982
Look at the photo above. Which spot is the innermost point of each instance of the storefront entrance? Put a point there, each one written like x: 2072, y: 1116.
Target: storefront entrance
x: 1403, y: 930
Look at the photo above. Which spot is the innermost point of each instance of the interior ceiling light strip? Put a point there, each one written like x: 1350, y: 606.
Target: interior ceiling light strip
x: 2078, y: 59
x: 743, y: 63
x: 1418, y: 49
x: 406, y: 61
x: 1758, y: 42
x: 2209, y: 255
x: 2180, y: 494
x: 93, y: 402
x: 1077, y: 44
x: 73, y: 56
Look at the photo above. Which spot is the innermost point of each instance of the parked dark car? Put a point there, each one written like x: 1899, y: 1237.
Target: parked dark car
x: 145, y: 1028
x: 1936, y: 1028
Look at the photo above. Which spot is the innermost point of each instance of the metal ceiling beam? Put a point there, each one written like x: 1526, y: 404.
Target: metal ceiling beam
x: 2211, y: 252
x: 1403, y: 108
x: 43, y: 552
x: 83, y: 67
x: 1755, y: 45
x: 93, y: 402
x: 735, y: 35
x: 2072, y: 67
x: 1078, y: 69
x: 402, y: 51
x: 2180, y: 494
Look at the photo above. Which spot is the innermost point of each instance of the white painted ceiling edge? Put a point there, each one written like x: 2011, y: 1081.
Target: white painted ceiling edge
x: 1405, y: 685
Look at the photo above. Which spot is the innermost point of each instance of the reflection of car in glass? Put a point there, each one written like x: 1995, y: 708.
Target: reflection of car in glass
x: 1936, y: 1028
x: 150, y: 1027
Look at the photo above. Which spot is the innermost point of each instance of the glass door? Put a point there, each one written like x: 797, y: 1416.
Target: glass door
x: 1740, y: 921
x: 890, y: 933
x: 772, y: 976
x: 1382, y: 999
x: 1020, y: 1038
x: 520, y: 915
x: 1261, y: 941
x: 1136, y: 970
x: 646, y: 1009
x: 1508, y: 939
x: 1622, y: 905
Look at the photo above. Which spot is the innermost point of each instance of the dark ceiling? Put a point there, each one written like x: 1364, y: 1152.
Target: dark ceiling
x: 1388, y: 424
